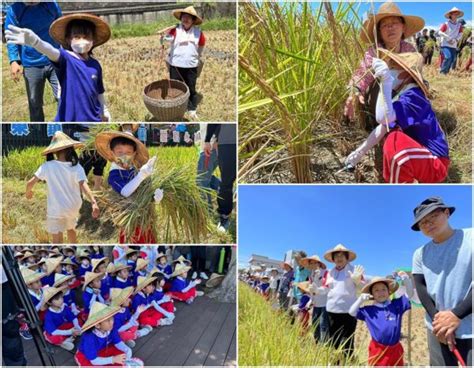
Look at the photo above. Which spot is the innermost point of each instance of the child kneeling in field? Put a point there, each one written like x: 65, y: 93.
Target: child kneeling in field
x: 182, y: 289
x: 65, y: 180
x: 384, y: 319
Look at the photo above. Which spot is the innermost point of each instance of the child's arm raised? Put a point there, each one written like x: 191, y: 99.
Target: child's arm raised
x: 87, y: 191
x: 29, y: 186
x: 145, y: 171
x: 407, y: 283
x: 24, y: 36
x: 354, y: 309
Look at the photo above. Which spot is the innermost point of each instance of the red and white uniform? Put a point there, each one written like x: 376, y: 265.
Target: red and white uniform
x: 184, y: 47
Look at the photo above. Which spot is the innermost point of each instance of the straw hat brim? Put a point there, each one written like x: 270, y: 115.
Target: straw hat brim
x: 144, y: 283
x: 92, y: 278
x: 287, y: 264
x: 178, y: 12
x: 102, y: 144
x: 63, y: 280
x: 214, y: 280
x: 141, y: 265
x: 418, y: 78
x: 124, y: 295
x: 67, y: 144
x: 413, y: 24
x: 70, y: 263
x: 49, y: 296
x: 392, y: 285
x: 106, y: 313
x: 460, y: 12
x: 58, y: 29
x: 328, y: 254
x: 53, y: 265
x: 36, y: 277
x: 307, y: 262
x: 121, y: 267
x: 179, y: 270
x: 304, y: 286
x: 101, y: 260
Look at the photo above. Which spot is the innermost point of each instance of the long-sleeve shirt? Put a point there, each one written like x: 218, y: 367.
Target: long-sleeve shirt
x: 89, y: 298
x: 181, y: 285
x: 166, y: 269
x: 53, y: 320
x: 320, y: 298
x: 36, y: 298
x: 92, y: 342
x: 342, y: 290
x: 285, y: 282
x: 454, y: 32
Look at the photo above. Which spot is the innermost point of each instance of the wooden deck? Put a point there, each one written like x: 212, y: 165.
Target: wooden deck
x: 203, y: 333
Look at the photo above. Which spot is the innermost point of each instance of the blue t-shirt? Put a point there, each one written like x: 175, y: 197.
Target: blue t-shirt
x: 157, y: 295
x: 81, y: 84
x: 416, y: 118
x: 91, y: 344
x: 105, y: 285
x: 140, y: 299
x: 264, y: 286
x: 53, y: 320
x: 178, y: 284
x: 35, y: 299
x: 447, y: 269
x: 122, y: 318
x: 303, y: 301
x: 48, y: 280
x: 385, y: 324
x: 121, y: 284
x: 166, y: 269
x: 119, y: 178
x: 83, y: 270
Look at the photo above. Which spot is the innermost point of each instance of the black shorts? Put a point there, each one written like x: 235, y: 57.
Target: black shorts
x: 91, y: 159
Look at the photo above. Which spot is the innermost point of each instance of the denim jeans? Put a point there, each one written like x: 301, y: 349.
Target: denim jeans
x: 449, y: 55
x: 320, y: 320
x: 205, y: 177
x: 35, y: 78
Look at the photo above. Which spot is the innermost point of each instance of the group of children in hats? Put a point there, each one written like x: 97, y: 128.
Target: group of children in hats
x: 82, y: 91
x: 122, y: 300
x: 329, y: 298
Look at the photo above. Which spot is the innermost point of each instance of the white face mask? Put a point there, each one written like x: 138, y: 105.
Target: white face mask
x: 81, y: 46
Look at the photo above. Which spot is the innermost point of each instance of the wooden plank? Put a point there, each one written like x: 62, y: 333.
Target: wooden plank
x: 201, y: 350
x: 231, y: 359
x: 61, y: 356
x: 223, y: 344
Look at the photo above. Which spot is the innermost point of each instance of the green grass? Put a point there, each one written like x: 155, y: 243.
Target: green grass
x: 266, y: 337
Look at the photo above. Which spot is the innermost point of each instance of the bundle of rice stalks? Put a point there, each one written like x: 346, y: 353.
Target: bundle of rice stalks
x: 95, y: 129
x: 182, y: 212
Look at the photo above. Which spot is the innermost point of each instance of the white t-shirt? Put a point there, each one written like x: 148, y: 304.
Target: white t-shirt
x: 64, y: 194
x: 342, y: 290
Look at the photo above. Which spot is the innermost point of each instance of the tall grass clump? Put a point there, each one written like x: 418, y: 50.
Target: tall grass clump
x: 22, y: 163
x: 295, y: 63
x: 267, y: 337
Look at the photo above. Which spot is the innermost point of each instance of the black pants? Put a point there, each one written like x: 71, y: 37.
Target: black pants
x: 228, y: 167
x: 440, y: 355
x: 91, y: 159
x: 342, y: 327
x: 188, y: 76
x: 198, y: 258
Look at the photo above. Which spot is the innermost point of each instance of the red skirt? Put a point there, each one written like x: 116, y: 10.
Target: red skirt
x: 191, y: 293
x: 77, y: 283
x: 406, y: 161
x: 139, y: 237
x: 130, y: 334
x: 382, y: 355
x: 150, y: 317
x: 55, y: 339
x: 109, y: 351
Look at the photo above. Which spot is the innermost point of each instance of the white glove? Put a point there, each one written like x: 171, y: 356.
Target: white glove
x: 381, y: 69
x: 365, y: 296
x: 21, y: 36
x: 147, y: 169
x: 356, y: 276
x: 158, y: 195
x: 372, y: 140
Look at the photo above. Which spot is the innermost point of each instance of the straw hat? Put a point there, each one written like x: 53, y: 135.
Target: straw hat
x: 181, y: 259
x: 102, y: 144
x: 60, y: 142
x: 130, y: 251
x: 282, y: 264
x: 391, y: 284
x: 68, y: 261
x: 59, y: 278
x: 214, y: 280
x: 55, y: 254
x: 454, y: 10
x: 143, y: 281
x: 304, y: 286
x: 52, y: 264
x: 339, y: 248
x: 189, y: 10
x: 49, y: 293
x: 110, y: 268
x: 26, y: 255
x: 412, y: 63
x: 30, y: 276
x: 309, y: 261
x: 161, y: 255
x: 18, y: 255
x: 179, y: 269
x: 97, y: 261
x: 141, y: 264
x: 156, y: 271
x: 119, y: 267
x: 118, y: 296
x: 99, y: 313
x: 58, y: 28
x: 68, y: 248
x: 89, y: 277
x: 413, y: 24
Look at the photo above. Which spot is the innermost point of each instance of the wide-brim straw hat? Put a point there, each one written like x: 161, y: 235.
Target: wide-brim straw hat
x: 391, y: 284
x: 189, y: 10
x: 339, y: 248
x: 309, y: 261
x: 41, y: 252
x: 59, y: 278
x: 97, y: 261
x: 141, y: 264
x: 131, y: 251
x: 68, y: 261
x: 183, y: 260
x: 304, y: 286
x: 52, y: 264
x: 454, y: 10
x: 214, y: 280
x: 18, y: 255
x: 102, y: 144
x: 265, y: 278
x: 110, y: 268
x: 143, y: 281
x: 61, y: 141
x: 27, y: 255
x: 58, y: 29
x: 413, y: 24
x: 68, y: 248
x: 91, y: 276
x: 30, y: 276
x: 118, y: 296
x: 179, y: 269
x: 55, y: 254
x: 412, y: 63
x: 155, y: 271
x: 99, y: 313
x: 49, y: 293
x: 119, y: 267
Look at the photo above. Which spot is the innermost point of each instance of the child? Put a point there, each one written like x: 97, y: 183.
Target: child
x: 85, y: 265
x: 122, y: 277
x: 263, y: 288
x: 79, y: 74
x: 28, y: 259
x: 304, y: 305
x: 165, y: 268
x: 384, y: 319
x: 91, y: 288
x: 33, y: 283
x: 41, y: 253
x: 99, y: 265
x: 273, y: 283
x: 149, y: 317
x: 161, y: 302
x: 132, y: 256
x: 60, y: 325
x: 96, y: 252
x: 187, y: 44
x: 140, y: 270
x: 102, y: 345
x: 181, y: 288
x: 65, y: 180
x: 62, y: 282
x: 53, y: 266
x: 124, y: 321
x: 69, y: 252
x: 130, y: 166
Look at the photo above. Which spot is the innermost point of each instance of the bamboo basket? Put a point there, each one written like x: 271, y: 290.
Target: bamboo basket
x: 167, y: 100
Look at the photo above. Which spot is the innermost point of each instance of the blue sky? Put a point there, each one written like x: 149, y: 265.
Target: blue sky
x: 374, y: 221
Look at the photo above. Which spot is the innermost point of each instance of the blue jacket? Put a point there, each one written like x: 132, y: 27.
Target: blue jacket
x: 38, y: 18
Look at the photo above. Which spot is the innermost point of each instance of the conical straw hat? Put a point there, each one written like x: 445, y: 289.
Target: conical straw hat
x: 118, y: 296
x: 189, y: 10
x: 99, y: 312
x: 60, y: 142
x: 339, y: 248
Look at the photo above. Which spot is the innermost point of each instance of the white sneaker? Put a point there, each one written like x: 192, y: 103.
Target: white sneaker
x: 199, y: 293
x: 193, y: 115
x: 190, y: 300
x: 194, y: 276
x: 130, y: 343
x: 67, y: 345
x: 203, y: 276
x: 143, y: 332
x: 148, y: 327
x: 165, y: 322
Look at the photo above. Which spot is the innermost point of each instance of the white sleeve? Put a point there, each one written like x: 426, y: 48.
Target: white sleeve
x: 81, y: 174
x: 41, y: 173
x: 355, y: 307
x: 384, y: 112
x: 132, y: 185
